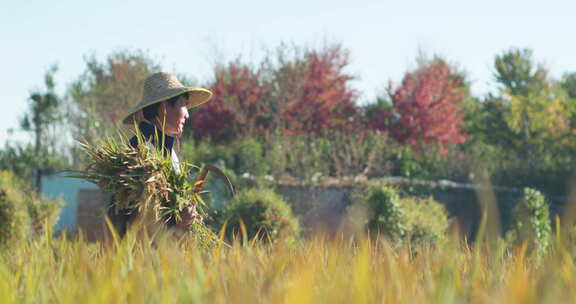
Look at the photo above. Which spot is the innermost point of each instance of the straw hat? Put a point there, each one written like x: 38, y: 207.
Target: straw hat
x: 162, y: 86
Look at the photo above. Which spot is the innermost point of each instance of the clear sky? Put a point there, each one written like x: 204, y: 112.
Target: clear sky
x: 384, y: 37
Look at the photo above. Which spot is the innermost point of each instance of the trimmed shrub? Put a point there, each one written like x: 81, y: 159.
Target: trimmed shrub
x: 23, y: 213
x: 531, y: 221
x: 264, y: 213
x: 426, y: 219
x: 385, y: 216
x: 411, y: 219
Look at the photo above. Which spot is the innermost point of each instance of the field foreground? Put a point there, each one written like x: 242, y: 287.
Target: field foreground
x: 316, y: 270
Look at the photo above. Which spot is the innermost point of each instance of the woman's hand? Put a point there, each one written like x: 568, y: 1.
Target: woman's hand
x: 188, y: 216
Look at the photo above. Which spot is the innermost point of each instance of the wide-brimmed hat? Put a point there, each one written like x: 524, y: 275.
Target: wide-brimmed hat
x: 162, y: 86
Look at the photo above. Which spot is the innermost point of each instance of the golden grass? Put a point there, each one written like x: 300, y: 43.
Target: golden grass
x: 315, y: 270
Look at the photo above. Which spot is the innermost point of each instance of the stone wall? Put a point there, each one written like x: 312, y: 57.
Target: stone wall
x: 323, y: 207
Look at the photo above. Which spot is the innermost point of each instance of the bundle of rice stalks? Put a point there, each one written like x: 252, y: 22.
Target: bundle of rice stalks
x: 142, y: 180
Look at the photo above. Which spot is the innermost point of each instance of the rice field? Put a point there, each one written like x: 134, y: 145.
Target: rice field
x: 319, y: 269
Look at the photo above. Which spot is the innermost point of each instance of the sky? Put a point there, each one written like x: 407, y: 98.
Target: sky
x: 383, y: 37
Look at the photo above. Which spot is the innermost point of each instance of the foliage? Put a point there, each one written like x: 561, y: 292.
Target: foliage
x: 305, y: 92
x: 568, y: 83
x: 379, y: 115
x: 338, y: 156
x: 356, y: 154
x: 238, y: 106
x: 486, y: 121
x: 264, y: 214
x: 44, y: 108
x: 243, y: 155
x: 427, y: 219
x: 23, y: 213
x: 22, y: 159
x: 428, y: 106
x: 516, y: 71
x: 43, y: 120
x: 531, y: 221
x: 402, y: 219
x: 541, y: 118
x: 534, y: 113
x: 305, y: 157
x: 14, y: 218
x: 312, y: 90
x: 335, y: 154
x: 248, y: 157
x: 298, y: 156
x: 385, y: 214
x: 106, y: 90
x: 408, y: 165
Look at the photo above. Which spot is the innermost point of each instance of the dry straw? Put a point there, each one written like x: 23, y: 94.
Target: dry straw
x: 143, y: 181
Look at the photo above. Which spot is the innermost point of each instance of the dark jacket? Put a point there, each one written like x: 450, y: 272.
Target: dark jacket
x: 123, y: 218
x: 149, y: 132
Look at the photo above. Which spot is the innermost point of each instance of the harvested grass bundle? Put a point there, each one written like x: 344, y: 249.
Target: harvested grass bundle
x: 142, y: 180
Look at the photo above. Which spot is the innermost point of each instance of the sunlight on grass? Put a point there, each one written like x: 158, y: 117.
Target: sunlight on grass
x: 140, y: 269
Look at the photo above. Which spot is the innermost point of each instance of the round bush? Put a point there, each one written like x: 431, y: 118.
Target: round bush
x: 23, y: 212
x: 14, y: 217
x: 385, y: 216
x: 531, y: 221
x: 426, y: 219
x: 264, y: 213
x: 403, y: 219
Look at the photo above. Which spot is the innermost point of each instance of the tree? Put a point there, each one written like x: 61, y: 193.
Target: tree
x: 568, y: 83
x: 238, y: 107
x: 516, y: 71
x: 42, y: 119
x: 379, y: 115
x: 20, y: 159
x: 485, y: 121
x: 313, y: 93
x: 540, y: 119
x: 428, y: 106
x: 44, y: 113
x: 535, y: 110
x: 106, y: 90
x: 305, y: 92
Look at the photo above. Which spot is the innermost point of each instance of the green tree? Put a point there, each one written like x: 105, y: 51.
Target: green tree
x: 20, y: 159
x: 485, y: 122
x: 569, y: 84
x: 532, y: 111
x: 106, y: 90
x: 42, y: 120
x: 540, y: 119
x: 516, y: 71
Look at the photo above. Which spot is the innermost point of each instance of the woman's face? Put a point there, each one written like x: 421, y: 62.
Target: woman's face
x: 176, y: 115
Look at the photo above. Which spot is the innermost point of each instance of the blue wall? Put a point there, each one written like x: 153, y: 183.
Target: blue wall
x: 58, y: 186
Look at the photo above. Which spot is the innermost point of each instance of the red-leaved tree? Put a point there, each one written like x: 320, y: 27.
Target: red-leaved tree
x: 314, y: 93
x: 427, y: 106
x: 307, y: 93
x: 239, y: 106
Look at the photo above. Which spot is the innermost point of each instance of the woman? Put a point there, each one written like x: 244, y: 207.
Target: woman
x: 162, y: 111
